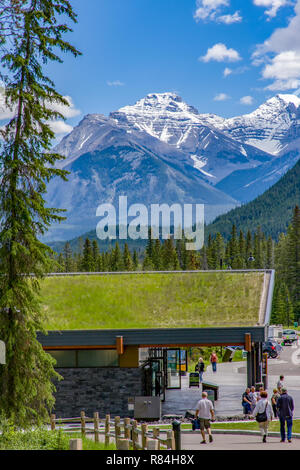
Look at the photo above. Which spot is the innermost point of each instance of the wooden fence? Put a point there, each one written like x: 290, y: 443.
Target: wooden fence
x: 124, y: 432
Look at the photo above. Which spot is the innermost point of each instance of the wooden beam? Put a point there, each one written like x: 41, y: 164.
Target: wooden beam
x: 248, y: 346
x: 120, y: 345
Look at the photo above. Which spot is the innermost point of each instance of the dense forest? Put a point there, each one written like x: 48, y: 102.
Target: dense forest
x: 241, y: 251
x: 272, y: 211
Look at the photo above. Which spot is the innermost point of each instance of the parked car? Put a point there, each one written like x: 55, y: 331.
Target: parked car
x: 289, y: 336
x: 272, y: 348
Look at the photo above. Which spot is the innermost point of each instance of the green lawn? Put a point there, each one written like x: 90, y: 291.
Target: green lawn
x: 152, y: 300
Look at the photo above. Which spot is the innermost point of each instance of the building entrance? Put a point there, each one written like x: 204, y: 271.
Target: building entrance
x: 162, y: 370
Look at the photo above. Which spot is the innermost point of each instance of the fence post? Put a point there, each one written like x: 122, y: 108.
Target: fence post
x: 82, y: 419
x: 152, y: 444
x: 96, y: 426
x: 122, y: 444
x: 117, y: 428
x: 177, y: 434
x: 52, y: 421
x: 107, y: 430
x: 155, y: 433
x: 170, y: 440
x: 144, y: 435
x: 126, y: 428
x: 75, y: 444
x: 135, y: 435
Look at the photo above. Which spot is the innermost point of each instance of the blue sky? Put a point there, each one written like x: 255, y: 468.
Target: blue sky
x: 135, y: 47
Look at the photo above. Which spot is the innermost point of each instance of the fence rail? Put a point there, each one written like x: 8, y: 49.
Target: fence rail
x: 125, y: 432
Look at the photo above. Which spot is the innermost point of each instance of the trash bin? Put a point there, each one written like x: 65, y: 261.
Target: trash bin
x: 211, y: 396
x: 206, y: 386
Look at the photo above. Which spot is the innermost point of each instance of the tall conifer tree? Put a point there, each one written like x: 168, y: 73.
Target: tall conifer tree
x: 27, y: 164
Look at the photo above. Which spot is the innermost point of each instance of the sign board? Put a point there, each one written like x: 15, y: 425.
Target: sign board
x: 295, y: 324
x: 2, y: 352
x: 194, y: 379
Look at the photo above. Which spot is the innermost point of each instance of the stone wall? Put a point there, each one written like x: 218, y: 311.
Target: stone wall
x: 101, y: 389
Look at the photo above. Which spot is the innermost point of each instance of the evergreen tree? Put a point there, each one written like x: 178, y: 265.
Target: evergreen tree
x: 116, y: 259
x: 157, y: 256
x: 127, y: 260
x: 68, y: 258
x: 27, y: 164
x: 293, y: 260
x: 96, y: 256
x: 87, y: 259
x: 135, y: 260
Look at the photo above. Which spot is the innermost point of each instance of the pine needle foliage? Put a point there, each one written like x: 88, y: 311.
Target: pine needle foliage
x: 31, y: 36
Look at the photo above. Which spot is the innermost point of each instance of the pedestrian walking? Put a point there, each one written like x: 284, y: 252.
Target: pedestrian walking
x: 264, y: 414
x: 214, y: 360
x: 246, y: 401
x: 280, y: 383
x: 205, y: 413
x: 285, y: 409
x: 253, y: 398
x: 274, y: 400
x: 201, y: 368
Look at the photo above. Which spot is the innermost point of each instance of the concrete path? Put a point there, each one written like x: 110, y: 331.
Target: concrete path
x: 231, y: 378
x: 236, y: 442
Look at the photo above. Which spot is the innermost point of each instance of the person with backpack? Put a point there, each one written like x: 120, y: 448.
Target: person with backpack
x: 263, y: 413
x: 214, y: 360
x: 285, y: 410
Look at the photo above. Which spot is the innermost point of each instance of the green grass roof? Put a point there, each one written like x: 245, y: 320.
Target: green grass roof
x: 175, y: 300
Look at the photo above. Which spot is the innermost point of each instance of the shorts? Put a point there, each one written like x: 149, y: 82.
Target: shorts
x: 204, y: 423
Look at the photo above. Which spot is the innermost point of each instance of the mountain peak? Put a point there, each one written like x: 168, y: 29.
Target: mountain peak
x: 167, y: 103
x: 288, y: 99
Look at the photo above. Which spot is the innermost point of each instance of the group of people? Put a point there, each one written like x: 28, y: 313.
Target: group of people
x: 282, y: 406
x: 200, y: 366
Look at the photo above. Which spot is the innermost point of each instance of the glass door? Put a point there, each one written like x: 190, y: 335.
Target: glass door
x: 172, y: 366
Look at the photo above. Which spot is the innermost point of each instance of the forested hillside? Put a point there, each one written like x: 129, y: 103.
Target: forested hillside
x: 272, y: 211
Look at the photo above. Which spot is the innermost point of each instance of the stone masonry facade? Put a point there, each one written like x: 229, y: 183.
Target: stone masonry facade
x: 101, y: 389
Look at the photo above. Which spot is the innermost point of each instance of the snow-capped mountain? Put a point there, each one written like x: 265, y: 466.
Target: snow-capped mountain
x: 271, y: 127
x: 106, y: 160
x: 168, y: 118
x: 162, y: 150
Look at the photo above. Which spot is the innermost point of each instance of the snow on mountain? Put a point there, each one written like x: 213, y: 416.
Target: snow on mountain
x: 168, y: 118
x: 270, y: 127
x: 162, y: 150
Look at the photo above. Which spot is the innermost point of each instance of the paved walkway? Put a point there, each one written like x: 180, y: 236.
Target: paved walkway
x: 236, y: 442
x: 231, y: 378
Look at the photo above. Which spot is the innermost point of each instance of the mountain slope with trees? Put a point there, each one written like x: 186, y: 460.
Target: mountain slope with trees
x: 272, y: 211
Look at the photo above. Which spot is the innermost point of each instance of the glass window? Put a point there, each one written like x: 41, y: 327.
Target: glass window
x: 64, y: 358
x: 98, y: 358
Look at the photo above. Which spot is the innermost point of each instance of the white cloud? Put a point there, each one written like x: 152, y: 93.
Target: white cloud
x: 229, y: 19
x: 220, y: 53
x: 67, y: 111
x: 283, y: 85
x: 284, y: 66
x: 115, y: 83
x: 209, y: 10
x: 221, y: 97
x: 271, y: 5
x: 280, y: 54
x: 227, y: 71
x: 247, y: 100
x: 60, y: 127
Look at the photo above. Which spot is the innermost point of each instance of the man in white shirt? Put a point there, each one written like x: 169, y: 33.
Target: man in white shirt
x: 205, y: 412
